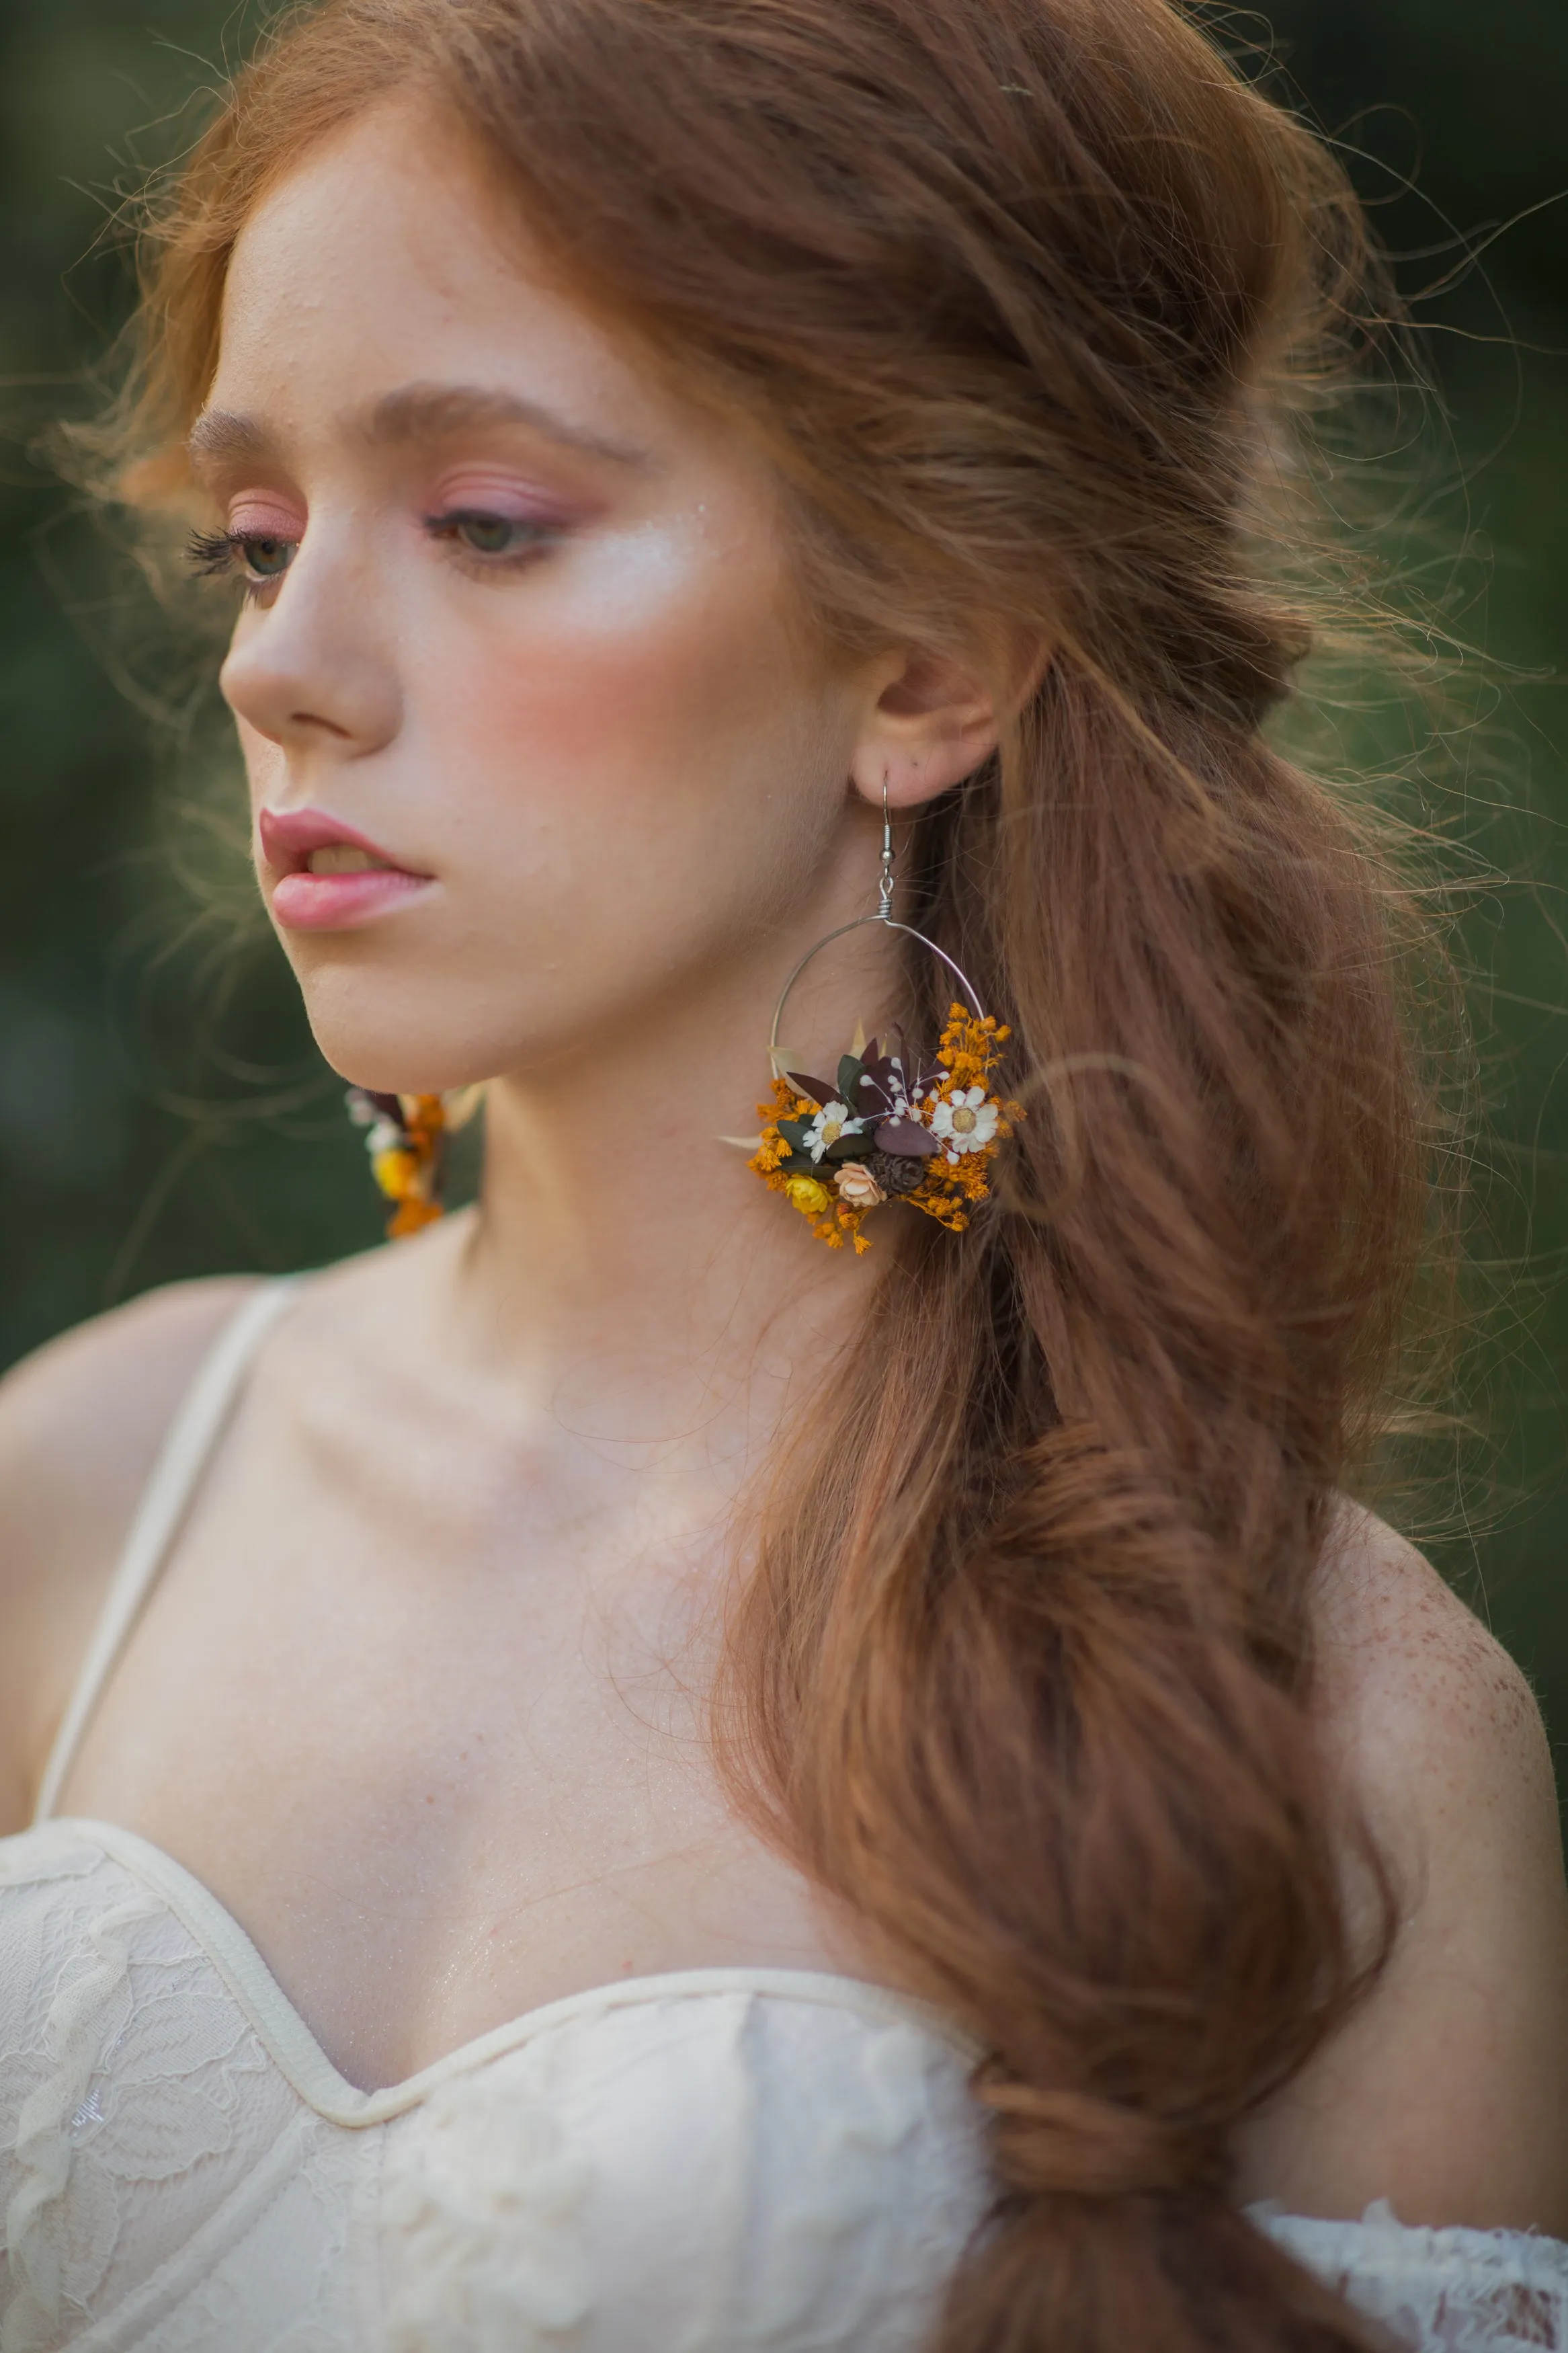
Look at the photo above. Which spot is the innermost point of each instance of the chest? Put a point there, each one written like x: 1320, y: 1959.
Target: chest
x: 436, y: 1733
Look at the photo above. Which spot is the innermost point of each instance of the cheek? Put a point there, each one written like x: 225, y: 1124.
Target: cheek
x: 642, y: 678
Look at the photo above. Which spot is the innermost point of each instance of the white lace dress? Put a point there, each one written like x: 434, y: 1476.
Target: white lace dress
x: 726, y: 2162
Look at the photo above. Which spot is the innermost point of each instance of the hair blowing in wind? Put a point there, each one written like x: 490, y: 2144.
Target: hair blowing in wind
x: 1028, y: 300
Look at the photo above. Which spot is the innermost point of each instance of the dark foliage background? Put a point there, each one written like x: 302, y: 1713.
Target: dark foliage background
x: 162, y: 1110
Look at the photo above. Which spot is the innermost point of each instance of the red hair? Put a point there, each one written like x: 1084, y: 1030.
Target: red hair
x: 1027, y: 298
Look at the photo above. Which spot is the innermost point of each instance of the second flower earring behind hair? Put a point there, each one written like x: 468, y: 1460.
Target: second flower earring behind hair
x: 405, y: 1136
x: 921, y: 1127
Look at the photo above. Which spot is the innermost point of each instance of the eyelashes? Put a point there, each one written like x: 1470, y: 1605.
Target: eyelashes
x: 254, y: 559
x: 210, y: 552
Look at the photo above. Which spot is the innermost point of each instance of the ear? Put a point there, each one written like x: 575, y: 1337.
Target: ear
x: 930, y: 724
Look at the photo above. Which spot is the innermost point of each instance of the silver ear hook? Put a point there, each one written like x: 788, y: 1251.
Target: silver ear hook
x: 884, y: 914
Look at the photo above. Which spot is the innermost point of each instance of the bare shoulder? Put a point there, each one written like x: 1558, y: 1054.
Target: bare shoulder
x: 1447, y: 2093
x: 1412, y: 1678
x: 80, y: 1423
x: 1436, y: 1726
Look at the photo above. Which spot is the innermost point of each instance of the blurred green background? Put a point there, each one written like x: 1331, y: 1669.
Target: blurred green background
x: 162, y: 1110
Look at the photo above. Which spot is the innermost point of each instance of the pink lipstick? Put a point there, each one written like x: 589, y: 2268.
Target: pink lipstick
x: 325, y: 876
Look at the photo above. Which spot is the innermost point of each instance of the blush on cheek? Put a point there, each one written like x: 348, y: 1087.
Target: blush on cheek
x: 648, y: 655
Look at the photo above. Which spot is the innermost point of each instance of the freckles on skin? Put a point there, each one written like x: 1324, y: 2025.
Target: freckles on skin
x: 619, y: 755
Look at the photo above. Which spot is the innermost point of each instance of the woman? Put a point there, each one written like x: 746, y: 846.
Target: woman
x: 643, y: 1781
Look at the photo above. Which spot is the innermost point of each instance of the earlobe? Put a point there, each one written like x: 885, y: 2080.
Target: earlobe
x: 913, y: 777
x: 935, y: 719
x: 933, y: 723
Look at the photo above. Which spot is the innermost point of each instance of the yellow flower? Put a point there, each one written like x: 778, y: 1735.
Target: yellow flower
x: 809, y: 1195
x: 396, y: 1172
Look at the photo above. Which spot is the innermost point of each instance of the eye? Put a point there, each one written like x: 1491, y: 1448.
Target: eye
x: 253, y: 561
x: 269, y: 559
x: 486, y: 534
x: 492, y: 535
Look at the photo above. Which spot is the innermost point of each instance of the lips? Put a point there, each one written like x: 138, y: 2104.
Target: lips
x: 328, y: 876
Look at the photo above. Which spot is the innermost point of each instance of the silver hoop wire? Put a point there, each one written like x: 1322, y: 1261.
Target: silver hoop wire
x: 884, y: 914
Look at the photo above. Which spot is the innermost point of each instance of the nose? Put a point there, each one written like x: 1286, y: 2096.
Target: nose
x: 312, y: 671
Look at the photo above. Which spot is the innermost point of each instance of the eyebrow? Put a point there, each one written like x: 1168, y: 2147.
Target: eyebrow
x: 414, y: 413
x: 218, y: 435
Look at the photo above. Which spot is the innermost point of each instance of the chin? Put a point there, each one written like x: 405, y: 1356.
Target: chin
x: 398, y: 1026
x: 411, y: 1058
x: 431, y: 1024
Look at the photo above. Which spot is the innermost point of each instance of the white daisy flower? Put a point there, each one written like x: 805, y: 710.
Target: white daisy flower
x: 831, y: 1121
x: 966, y: 1122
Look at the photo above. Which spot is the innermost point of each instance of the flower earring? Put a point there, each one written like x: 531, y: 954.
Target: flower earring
x: 922, y: 1128
x: 405, y: 1136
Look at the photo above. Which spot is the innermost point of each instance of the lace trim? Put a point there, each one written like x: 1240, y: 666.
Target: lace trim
x: 43, y: 2144
x: 268, y: 2272
x: 1445, y: 2291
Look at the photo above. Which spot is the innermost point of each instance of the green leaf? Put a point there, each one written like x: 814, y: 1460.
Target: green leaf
x: 851, y: 1070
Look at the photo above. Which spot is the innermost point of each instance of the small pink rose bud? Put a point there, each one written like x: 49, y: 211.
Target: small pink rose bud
x: 857, y: 1188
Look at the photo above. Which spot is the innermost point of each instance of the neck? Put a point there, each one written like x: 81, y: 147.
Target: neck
x: 624, y: 1262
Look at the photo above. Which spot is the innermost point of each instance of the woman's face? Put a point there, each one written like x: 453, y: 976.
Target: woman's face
x: 517, y: 644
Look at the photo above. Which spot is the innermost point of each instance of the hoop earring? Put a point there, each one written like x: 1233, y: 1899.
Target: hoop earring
x: 920, y: 1128
x: 405, y: 1136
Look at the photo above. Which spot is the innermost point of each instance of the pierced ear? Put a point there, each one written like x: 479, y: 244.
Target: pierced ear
x: 932, y: 724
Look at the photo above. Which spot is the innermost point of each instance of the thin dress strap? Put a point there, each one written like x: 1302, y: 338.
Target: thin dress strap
x: 198, y: 1424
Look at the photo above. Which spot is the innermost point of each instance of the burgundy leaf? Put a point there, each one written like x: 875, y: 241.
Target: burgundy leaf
x: 907, y: 1138
x: 818, y: 1089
